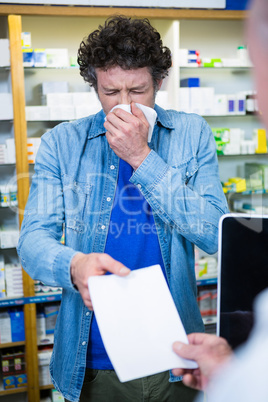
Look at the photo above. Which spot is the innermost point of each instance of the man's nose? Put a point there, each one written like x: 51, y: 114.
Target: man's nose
x: 125, y: 98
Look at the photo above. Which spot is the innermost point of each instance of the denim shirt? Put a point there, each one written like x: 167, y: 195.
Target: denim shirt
x: 74, y: 187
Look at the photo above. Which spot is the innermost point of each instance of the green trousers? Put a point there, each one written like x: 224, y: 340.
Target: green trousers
x: 104, y: 386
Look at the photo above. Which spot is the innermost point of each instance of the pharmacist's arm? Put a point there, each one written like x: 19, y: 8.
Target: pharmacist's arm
x: 190, y: 201
x: 42, y: 255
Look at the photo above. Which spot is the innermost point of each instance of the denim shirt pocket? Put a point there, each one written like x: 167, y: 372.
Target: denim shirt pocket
x: 76, y: 195
x: 188, y: 168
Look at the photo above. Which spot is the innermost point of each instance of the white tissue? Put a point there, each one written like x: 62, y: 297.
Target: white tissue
x: 148, y: 112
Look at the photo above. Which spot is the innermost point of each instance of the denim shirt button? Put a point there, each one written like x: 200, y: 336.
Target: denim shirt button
x: 112, y: 167
x: 87, y: 313
x: 103, y: 227
x: 84, y: 343
x: 139, y: 185
x: 108, y: 199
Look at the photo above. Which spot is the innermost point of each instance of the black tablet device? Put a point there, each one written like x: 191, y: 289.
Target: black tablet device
x: 242, y: 273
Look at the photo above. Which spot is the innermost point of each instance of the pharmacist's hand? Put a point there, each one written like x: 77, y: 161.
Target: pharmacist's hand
x: 127, y: 135
x: 85, y: 265
x: 209, y: 351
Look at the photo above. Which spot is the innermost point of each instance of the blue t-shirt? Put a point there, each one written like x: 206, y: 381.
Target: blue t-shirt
x: 132, y: 239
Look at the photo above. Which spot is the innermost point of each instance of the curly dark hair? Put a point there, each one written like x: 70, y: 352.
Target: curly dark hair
x: 127, y: 43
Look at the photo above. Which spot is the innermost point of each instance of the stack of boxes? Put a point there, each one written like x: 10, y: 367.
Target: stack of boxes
x: 45, y: 323
x: 59, y: 104
x: 9, y: 238
x: 57, y: 58
x: 202, y: 100
x: 33, y: 144
x: 12, y: 326
x: 41, y: 288
x: 7, y: 150
x: 207, y: 301
x: 6, y: 110
x: 44, y: 357
x: 192, y: 58
x: 11, y: 282
x: 13, y: 369
x: 231, y: 141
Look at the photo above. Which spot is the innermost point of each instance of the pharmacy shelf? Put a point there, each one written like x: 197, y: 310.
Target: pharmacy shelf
x: 72, y: 68
x: 230, y: 115
x: 49, y: 386
x: 209, y: 320
x: 207, y: 281
x: 240, y: 155
x: 248, y: 192
x: 45, y: 298
x: 225, y: 68
x: 11, y: 344
x: 13, y: 391
x: 52, y: 121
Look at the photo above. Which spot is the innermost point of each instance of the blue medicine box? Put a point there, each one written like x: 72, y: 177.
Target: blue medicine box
x: 17, y: 326
x: 190, y: 82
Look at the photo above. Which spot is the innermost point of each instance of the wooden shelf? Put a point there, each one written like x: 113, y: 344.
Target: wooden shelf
x: 11, y: 344
x: 50, y: 386
x: 91, y: 11
x: 13, y: 391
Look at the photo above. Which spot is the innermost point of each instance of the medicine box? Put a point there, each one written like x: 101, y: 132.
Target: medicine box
x: 62, y: 112
x: 37, y: 113
x: 10, y: 150
x: 256, y: 176
x: 57, y: 58
x: 43, y: 367
x: 190, y: 82
x: 2, y: 277
x: 28, y: 57
x: 58, y: 99
x: 21, y: 380
x: 56, y: 396
x: 6, y: 110
x: 40, y: 59
x: 259, y: 136
x: 26, y: 40
x: 51, y: 313
x: 9, y: 238
x: 4, y: 53
x: 53, y: 86
x: 5, y: 328
x: 17, y: 326
x: 9, y: 382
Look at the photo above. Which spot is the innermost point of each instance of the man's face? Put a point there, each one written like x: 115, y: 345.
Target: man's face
x: 118, y: 86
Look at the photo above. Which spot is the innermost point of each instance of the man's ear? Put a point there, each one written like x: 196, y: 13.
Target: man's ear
x: 159, y: 84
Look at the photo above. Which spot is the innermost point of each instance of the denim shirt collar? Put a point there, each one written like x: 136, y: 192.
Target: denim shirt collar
x: 97, y: 128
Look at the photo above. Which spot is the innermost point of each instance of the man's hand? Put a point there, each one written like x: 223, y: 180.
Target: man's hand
x: 209, y: 351
x: 127, y: 135
x: 85, y: 265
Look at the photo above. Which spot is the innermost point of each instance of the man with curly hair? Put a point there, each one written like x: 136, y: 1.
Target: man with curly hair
x: 126, y: 201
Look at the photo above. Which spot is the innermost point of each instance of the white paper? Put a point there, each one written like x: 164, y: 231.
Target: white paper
x: 138, y: 322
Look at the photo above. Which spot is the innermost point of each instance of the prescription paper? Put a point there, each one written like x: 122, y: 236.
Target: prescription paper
x: 138, y: 322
